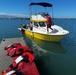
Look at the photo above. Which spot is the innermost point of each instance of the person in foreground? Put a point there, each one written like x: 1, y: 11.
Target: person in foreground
x: 49, y: 22
x: 23, y: 60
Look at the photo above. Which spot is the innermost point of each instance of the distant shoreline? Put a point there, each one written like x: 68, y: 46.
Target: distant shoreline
x: 14, y: 18
x: 29, y: 18
x: 64, y: 18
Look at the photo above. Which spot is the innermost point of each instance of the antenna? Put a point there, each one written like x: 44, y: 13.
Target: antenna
x: 52, y: 13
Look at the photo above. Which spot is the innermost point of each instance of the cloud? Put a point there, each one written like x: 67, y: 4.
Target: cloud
x: 15, y: 15
x: 2, y: 13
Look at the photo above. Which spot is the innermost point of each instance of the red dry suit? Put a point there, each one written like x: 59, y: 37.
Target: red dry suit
x: 22, y: 60
x: 16, y: 49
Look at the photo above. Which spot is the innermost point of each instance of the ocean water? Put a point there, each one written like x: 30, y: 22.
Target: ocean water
x: 8, y: 28
x: 51, y: 58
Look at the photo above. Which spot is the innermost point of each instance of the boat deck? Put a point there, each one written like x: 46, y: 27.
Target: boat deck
x: 5, y: 61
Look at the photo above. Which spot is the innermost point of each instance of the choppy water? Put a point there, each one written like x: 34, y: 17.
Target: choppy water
x: 51, y: 58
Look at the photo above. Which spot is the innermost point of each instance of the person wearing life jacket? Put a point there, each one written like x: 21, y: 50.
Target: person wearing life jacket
x: 20, y: 64
x: 49, y: 22
x: 12, y: 48
x: 15, y: 45
x: 21, y: 55
x: 16, y: 49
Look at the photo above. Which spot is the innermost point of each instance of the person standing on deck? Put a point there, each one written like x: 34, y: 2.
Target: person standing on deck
x: 49, y: 22
x: 31, y: 26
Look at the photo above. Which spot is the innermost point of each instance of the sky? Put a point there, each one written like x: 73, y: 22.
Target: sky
x: 61, y: 8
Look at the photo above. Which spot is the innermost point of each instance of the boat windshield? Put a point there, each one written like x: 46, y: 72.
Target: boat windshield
x: 36, y: 24
x: 39, y: 24
x: 42, y: 24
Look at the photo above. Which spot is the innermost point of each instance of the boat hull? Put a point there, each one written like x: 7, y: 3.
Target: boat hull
x: 46, y: 37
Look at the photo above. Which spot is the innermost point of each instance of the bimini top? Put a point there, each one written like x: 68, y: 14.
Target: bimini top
x: 44, y: 4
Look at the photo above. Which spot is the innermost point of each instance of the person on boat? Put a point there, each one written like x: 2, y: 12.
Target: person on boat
x: 31, y: 26
x: 23, y: 27
x: 49, y: 22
